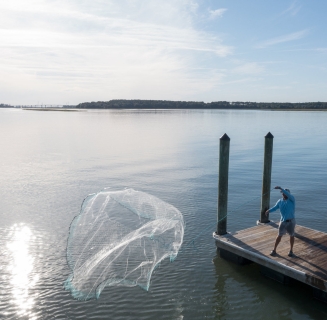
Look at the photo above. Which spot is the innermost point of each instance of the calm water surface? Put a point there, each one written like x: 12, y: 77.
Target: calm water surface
x: 51, y: 160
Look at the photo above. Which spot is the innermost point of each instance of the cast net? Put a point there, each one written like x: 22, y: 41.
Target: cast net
x: 118, y: 239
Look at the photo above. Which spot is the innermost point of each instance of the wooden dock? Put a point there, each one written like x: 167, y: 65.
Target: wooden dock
x: 309, y: 264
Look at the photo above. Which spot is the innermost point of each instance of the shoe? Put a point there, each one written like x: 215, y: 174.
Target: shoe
x: 273, y: 253
x: 291, y: 254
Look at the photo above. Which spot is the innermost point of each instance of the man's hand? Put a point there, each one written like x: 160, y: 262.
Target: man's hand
x: 267, y: 212
x: 277, y: 187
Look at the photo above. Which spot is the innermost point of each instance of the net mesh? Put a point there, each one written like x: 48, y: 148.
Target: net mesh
x: 118, y: 239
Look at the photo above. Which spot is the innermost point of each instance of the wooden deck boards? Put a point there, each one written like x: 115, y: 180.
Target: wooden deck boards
x: 308, y: 265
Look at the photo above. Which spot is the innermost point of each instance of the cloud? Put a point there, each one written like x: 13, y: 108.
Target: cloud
x: 285, y: 38
x: 106, y: 49
x: 293, y: 9
x: 74, y: 26
x: 218, y: 13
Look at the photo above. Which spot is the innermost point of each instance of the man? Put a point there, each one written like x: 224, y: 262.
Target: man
x: 286, y: 206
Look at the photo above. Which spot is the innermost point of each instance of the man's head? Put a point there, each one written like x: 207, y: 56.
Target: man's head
x: 285, y: 197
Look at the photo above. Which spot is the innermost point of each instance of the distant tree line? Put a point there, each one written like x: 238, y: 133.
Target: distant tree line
x: 164, y: 104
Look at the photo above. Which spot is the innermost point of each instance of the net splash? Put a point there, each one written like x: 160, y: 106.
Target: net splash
x: 118, y: 239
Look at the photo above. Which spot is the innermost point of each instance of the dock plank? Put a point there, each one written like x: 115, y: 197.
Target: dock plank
x: 309, y: 264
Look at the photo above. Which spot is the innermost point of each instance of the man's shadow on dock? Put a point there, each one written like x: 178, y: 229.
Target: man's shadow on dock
x: 320, y: 272
x: 246, y: 246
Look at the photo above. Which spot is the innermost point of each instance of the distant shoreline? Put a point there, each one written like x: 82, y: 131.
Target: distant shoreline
x: 181, y: 105
x: 224, y: 105
x: 51, y: 109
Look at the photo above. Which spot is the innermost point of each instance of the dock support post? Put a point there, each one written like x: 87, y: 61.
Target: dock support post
x: 266, y: 178
x: 223, y: 184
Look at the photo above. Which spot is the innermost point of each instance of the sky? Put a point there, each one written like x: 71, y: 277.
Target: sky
x: 73, y: 51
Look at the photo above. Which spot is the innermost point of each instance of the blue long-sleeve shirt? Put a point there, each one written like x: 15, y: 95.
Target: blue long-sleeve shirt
x: 286, y: 207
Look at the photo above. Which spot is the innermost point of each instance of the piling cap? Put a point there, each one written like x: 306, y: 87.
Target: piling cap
x: 225, y: 137
x: 269, y: 135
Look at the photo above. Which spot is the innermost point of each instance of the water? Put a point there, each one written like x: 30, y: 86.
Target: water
x: 51, y: 160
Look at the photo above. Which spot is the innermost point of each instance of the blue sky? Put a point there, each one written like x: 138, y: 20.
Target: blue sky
x: 72, y: 51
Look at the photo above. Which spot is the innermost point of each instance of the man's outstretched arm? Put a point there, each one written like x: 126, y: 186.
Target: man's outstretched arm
x: 274, y: 208
x: 288, y: 195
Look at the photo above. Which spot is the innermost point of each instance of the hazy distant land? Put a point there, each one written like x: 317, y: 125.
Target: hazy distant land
x: 165, y: 104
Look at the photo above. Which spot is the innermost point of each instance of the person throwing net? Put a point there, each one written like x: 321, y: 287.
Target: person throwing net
x: 286, y: 206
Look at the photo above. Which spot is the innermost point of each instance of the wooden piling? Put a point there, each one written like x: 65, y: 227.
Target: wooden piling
x: 266, y: 178
x: 223, y: 184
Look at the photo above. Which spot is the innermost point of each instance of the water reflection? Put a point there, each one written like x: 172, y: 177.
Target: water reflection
x: 20, y: 269
x: 241, y: 292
